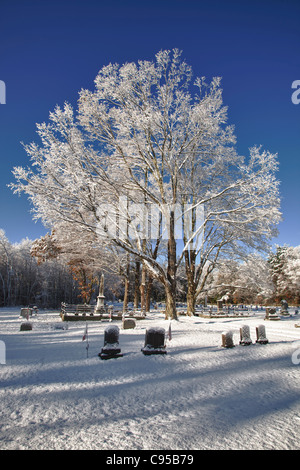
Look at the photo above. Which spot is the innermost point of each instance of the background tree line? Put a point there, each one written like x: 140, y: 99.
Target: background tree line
x: 45, y: 272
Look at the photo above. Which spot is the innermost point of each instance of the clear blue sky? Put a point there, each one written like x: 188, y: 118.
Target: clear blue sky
x: 49, y: 50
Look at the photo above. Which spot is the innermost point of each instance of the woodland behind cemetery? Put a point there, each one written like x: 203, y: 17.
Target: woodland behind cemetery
x: 40, y: 272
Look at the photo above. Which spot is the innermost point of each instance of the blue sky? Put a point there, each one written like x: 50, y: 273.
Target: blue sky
x: 49, y: 50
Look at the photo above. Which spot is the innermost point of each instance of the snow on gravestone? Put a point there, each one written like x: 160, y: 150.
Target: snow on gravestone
x: 111, y: 346
x: 227, y: 341
x: 154, y: 341
x: 245, y: 339
x: 284, y: 308
x: 261, y: 335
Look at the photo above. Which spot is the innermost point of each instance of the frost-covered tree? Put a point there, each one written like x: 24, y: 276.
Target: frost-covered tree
x: 85, y: 257
x: 146, y: 142
x: 24, y: 281
x: 285, y: 266
x: 292, y: 272
x: 240, y: 216
x: 247, y: 281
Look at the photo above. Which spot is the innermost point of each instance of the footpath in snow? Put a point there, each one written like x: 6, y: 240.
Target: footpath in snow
x: 197, y: 396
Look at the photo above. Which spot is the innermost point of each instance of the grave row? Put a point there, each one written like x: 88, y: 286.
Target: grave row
x: 245, y: 338
x: 155, y: 339
x: 154, y: 342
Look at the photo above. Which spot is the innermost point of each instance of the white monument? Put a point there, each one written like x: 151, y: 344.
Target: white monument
x: 100, y: 298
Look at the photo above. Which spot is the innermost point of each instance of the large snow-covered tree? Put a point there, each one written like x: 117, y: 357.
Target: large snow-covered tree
x: 145, y: 142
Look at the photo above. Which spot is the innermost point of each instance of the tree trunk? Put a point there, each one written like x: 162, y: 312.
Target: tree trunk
x: 137, y: 285
x: 126, y: 292
x: 190, y: 260
x: 191, y: 298
x: 170, y: 312
x: 125, y: 301
x: 170, y: 288
x: 143, y: 285
x: 149, y: 292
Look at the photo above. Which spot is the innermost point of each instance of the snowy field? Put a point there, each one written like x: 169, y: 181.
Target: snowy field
x: 197, y: 396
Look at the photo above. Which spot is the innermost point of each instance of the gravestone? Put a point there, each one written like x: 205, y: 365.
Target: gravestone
x: 27, y: 326
x: 111, y: 346
x: 271, y: 314
x: 284, y: 308
x: 227, y: 341
x: 261, y: 335
x: 154, y: 341
x: 128, y: 323
x: 59, y: 326
x: 245, y: 339
x: 26, y: 312
x: 220, y: 306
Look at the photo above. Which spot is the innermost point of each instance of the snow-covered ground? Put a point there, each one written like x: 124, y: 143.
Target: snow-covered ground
x: 197, y: 396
